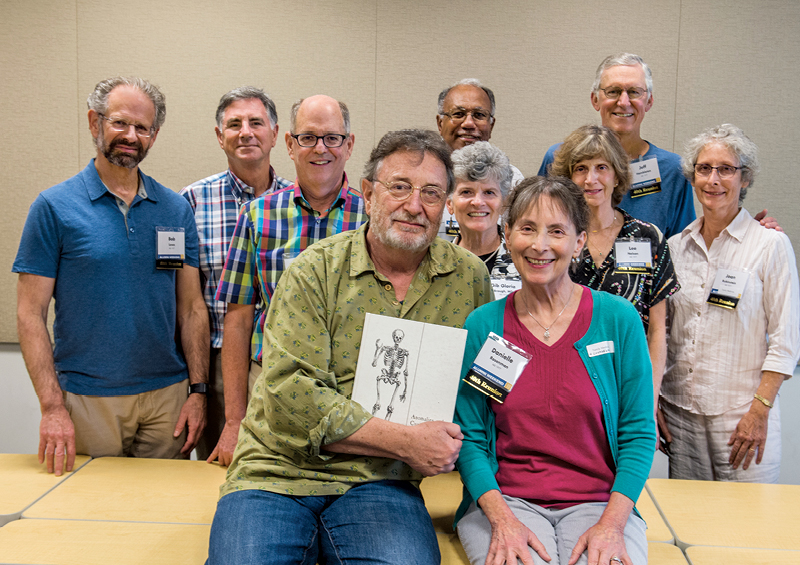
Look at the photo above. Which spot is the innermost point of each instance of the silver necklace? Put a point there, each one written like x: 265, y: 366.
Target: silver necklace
x: 547, y: 329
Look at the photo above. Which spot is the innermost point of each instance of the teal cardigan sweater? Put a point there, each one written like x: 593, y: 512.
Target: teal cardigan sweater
x: 624, y: 383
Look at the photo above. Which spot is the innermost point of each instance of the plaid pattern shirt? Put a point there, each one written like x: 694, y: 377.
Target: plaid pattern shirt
x: 268, y: 232
x: 216, y: 201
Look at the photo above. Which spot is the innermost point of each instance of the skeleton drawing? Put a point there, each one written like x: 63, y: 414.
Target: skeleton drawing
x: 395, y: 359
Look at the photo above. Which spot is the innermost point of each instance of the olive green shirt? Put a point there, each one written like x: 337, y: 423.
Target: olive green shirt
x: 312, y: 335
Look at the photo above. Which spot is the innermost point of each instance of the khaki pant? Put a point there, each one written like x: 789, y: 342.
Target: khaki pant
x: 138, y: 425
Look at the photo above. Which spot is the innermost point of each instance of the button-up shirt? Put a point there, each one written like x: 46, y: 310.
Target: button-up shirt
x: 301, y: 401
x: 216, y: 202
x: 268, y: 232
x: 715, y: 355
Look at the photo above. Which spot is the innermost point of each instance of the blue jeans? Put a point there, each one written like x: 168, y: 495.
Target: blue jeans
x: 380, y: 522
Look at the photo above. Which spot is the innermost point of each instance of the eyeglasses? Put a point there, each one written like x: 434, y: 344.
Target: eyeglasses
x: 615, y: 92
x: 400, y: 191
x: 724, y: 171
x: 310, y: 140
x: 119, y: 125
x: 460, y: 114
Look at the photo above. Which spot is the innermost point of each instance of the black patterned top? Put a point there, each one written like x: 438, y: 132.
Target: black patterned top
x: 642, y: 290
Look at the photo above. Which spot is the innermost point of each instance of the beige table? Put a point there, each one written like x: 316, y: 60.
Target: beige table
x: 23, y: 481
x: 657, y: 529
x: 75, y: 542
x: 702, y: 555
x: 722, y: 514
x: 136, y: 490
x: 664, y: 554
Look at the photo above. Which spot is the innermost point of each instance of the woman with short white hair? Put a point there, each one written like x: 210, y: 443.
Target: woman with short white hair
x: 734, y: 325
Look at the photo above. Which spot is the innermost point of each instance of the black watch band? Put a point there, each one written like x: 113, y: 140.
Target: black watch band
x: 202, y: 388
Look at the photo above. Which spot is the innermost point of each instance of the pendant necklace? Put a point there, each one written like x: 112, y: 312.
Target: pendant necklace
x: 547, y: 329
x: 598, y: 250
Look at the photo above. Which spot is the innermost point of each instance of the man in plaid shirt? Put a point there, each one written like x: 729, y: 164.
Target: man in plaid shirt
x: 247, y: 129
x: 271, y: 231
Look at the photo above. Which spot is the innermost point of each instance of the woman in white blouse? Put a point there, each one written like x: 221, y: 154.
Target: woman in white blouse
x: 734, y: 325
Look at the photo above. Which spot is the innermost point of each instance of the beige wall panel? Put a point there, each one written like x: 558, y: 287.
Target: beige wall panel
x: 738, y: 64
x: 538, y: 57
x: 198, y: 50
x: 39, y: 145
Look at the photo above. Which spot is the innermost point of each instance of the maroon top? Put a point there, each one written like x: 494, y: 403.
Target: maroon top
x: 552, y: 446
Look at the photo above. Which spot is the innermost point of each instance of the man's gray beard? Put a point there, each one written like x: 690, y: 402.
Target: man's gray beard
x: 120, y: 159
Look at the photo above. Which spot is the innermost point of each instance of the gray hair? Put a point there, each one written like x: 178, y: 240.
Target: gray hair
x: 627, y: 60
x: 98, y: 99
x: 466, y: 82
x: 342, y: 108
x: 481, y: 161
x: 562, y: 190
x: 415, y: 140
x: 246, y: 93
x: 734, y: 139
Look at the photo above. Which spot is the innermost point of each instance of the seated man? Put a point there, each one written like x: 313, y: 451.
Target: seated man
x: 314, y: 476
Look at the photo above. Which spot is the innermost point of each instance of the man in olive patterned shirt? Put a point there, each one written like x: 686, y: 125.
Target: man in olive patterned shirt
x: 314, y: 475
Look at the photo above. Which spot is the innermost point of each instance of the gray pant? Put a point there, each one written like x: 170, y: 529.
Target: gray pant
x: 558, y: 530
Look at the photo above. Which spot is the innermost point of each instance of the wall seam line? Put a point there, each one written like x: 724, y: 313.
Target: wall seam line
x: 677, y: 72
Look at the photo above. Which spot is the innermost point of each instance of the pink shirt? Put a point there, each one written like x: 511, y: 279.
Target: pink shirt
x: 552, y: 446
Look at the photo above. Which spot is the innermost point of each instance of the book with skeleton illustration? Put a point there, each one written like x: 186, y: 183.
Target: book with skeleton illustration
x: 408, y: 372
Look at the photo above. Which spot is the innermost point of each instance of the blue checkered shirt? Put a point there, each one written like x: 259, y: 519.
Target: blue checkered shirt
x: 216, y: 201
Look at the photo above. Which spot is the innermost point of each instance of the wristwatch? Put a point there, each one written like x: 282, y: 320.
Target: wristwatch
x: 202, y: 388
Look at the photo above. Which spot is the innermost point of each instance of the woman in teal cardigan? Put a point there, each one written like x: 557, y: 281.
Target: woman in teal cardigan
x: 552, y: 473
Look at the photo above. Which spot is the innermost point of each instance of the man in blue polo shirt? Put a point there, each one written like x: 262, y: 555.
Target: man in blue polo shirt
x: 118, y: 253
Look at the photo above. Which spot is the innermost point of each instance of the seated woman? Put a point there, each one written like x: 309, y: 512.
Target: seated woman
x: 735, y: 324
x: 553, y: 471
x: 483, y: 180
x: 594, y: 159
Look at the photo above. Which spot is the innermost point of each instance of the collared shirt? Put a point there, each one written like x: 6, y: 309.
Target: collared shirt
x: 715, y: 355
x: 115, y: 312
x: 301, y: 401
x: 643, y: 290
x: 268, y: 233
x: 216, y: 202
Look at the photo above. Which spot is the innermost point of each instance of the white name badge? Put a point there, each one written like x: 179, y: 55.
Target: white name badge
x: 646, y: 177
x: 728, y: 288
x: 503, y: 287
x: 633, y: 256
x: 497, y: 367
x: 170, y: 248
x: 601, y: 348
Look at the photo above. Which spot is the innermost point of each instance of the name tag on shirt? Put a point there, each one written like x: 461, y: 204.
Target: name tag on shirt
x: 633, y: 256
x: 450, y: 224
x: 646, y: 178
x: 600, y: 348
x: 728, y: 288
x: 170, y: 248
x: 497, y: 367
x: 503, y: 287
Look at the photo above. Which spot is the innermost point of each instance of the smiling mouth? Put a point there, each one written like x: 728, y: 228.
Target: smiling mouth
x: 593, y: 192
x: 539, y: 262
x: 621, y: 115
x: 478, y: 214
x: 320, y: 162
